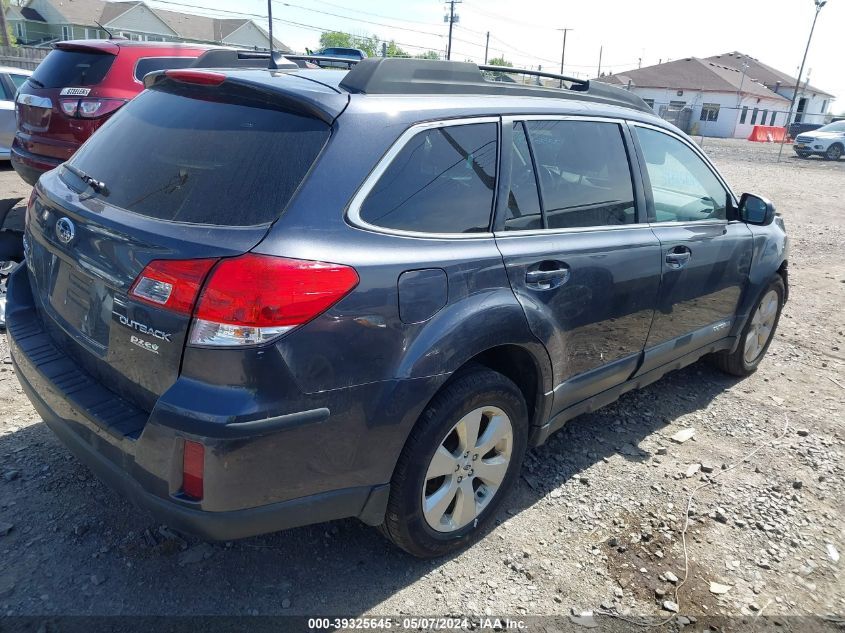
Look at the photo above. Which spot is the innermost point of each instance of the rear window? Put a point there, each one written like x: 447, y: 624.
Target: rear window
x: 235, y: 161
x: 147, y: 65
x: 72, y: 68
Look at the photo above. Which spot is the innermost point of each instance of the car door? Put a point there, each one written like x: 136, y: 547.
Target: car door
x: 705, y: 257
x: 580, y: 257
x: 7, y: 115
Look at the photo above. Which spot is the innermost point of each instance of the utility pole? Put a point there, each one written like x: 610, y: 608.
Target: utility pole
x: 486, y: 47
x: 451, y: 19
x: 563, y: 52
x: 601, y: 49
x: 819, y: 4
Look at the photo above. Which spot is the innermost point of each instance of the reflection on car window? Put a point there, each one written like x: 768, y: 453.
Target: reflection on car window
x: 523, y: 210
x: 584, y: 173
x: 684, y: 188
x: 442, y: 181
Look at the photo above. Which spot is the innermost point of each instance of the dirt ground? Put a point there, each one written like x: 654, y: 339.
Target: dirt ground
x: 595, y: 524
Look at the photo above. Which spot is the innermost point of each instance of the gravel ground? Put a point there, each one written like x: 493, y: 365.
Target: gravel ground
x: 596, y: 521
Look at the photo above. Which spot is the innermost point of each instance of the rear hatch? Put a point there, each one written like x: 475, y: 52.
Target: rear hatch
x: 183, y: 172
x: 69, y: 73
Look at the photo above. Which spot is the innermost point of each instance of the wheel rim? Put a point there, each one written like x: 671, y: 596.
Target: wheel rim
x: 834, y: 152
x: 762, y: 324
x: 467, y: 469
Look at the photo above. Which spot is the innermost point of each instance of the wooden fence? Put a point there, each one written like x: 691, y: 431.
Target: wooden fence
x: 27, y: 57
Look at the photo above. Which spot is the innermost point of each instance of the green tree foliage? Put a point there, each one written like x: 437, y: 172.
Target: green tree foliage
x: 370, y: 44
x: 500, y: 61
x: 428, y: 55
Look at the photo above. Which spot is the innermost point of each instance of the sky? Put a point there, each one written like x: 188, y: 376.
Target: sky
x: 626, y: 33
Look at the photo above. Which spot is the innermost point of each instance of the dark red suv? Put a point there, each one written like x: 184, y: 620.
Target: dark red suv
x: 77, y: 87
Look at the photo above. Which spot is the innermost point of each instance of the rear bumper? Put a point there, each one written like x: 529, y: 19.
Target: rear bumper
x: 298, y: 468
x: 365, y: 502
x: 31, y: 166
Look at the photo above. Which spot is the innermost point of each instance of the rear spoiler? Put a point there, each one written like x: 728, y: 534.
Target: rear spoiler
x: 291, y: 93
x: 231, y: 58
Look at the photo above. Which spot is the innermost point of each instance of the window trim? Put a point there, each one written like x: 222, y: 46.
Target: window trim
x: 631, y: 154
x: 647, y: 181
x: 353, y: 211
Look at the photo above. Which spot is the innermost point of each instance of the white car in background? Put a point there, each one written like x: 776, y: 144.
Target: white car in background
x: 10, y: 80
x: 827, y: 141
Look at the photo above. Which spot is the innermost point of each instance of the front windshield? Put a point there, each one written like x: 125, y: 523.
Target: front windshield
x: 839, y: 126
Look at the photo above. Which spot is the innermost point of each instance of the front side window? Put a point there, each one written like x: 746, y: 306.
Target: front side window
x: 585, y: 178
x: 683, y: 186
x: 441, y: 181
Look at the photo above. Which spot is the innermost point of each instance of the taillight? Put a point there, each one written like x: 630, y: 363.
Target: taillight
x: 172, y: 284
x: 196, y: 77
x: 89, y: 108
x: 193, y: 465
x: 255, y: 298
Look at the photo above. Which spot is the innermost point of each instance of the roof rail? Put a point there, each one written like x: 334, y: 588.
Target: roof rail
x: 393, y: 75
x: 321, y: 60
x: 233, y: 58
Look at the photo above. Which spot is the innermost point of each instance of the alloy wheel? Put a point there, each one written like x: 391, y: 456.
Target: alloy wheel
x: 467, y: 469
x: 762, y: 324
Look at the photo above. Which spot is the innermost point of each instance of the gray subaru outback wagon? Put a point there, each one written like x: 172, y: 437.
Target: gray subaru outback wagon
x: 257, y: 299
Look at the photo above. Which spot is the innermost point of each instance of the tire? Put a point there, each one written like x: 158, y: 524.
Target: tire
x: 803, y: 154
x: 834, y: 152
x: 744, y: 360
x: 418, y: 494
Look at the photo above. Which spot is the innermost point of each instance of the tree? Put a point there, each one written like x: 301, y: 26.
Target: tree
x: 393, y: 50
x: 335, y: 39
x: 6, y: 36
x: 428, y: 55
x: 500, y: 61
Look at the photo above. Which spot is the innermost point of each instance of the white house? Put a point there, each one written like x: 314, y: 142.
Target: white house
x: 41, y: 22
x: 812, y: 104
x: 712, y: 97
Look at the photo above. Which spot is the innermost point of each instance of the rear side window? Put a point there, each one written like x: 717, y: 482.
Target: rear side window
x: 18, y: 80
x: 184, y: 158
x: 441, y: 181
x: 72, y: 68
x: 585, y: 178
x: 147, y: 65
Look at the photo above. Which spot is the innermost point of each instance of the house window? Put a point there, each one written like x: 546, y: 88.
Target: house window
x: 754, y: 113
x: 744, y: 114
x: 824, y: 106
x: 763, y: 117
x: 710, y: 112
x: 649, y: 103
x: 20, y: 30
x: 677, y: 105
x: 66, y: 32
x: 772, y: 120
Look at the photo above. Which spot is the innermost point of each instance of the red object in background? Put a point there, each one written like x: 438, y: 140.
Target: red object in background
x: 77, y: 87
x: 767, y: 134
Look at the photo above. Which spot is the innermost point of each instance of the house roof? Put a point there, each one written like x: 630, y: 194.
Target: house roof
x: 692, y: 73
x: 759, y: 71
x: 185, y: 25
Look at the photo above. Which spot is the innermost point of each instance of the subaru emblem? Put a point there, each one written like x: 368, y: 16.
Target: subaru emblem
x: 65, y: 230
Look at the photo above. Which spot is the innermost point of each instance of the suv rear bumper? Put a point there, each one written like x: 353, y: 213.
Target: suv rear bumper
x: 141, y: 458
x: 31, y: 166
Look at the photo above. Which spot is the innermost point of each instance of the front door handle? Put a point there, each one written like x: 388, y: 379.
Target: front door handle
x: 678, y: 257
x: 556, y: 274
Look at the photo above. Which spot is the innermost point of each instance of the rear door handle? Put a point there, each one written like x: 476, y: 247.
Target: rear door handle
x: 547, y: 279
x: 678, y: 257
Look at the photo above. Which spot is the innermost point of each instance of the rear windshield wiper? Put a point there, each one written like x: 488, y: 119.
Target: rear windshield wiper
x: 37, y: 83
x: 97, y: 185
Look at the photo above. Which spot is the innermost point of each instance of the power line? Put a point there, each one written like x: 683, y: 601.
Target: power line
x: 346, y: 17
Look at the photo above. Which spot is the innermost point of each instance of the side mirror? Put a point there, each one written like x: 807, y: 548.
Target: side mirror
x: 756, y: 210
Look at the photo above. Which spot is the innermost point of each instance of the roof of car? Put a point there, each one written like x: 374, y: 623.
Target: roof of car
x: 14, y: 71
x: 329, y: 91
x: 109, y: 45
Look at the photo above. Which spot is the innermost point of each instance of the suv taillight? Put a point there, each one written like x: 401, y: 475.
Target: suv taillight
x: 245, y: 300
x: 89, y: 108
